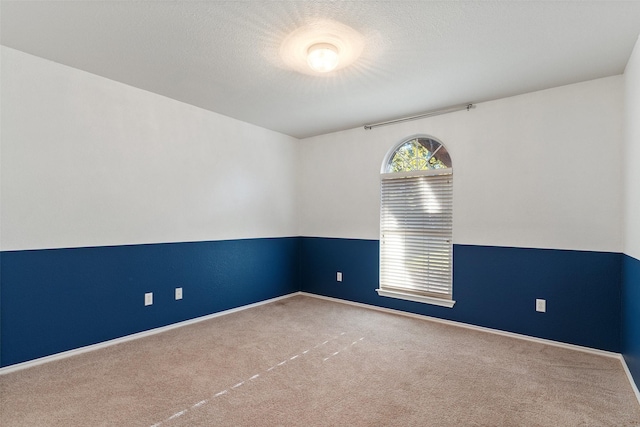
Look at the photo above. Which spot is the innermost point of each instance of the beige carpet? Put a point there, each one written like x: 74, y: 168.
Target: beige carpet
x: 309, y: 362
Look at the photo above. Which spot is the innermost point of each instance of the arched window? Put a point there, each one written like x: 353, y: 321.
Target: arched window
x: 416, y: 218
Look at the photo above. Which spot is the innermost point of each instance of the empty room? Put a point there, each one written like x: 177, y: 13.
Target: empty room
x: 319, y: 213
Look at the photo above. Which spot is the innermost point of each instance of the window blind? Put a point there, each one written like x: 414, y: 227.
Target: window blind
x: 416, y: 227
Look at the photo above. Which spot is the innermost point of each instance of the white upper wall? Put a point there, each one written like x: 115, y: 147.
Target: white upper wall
x: 87, y: 161
x: 632, y: 155
x: 538, y: 170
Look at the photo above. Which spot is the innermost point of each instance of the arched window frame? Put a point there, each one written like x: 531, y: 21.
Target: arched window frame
x: 416, y: 251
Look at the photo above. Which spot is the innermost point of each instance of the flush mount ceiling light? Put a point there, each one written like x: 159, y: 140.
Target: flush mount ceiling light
x: 321, y: 47
x: 322, y: 57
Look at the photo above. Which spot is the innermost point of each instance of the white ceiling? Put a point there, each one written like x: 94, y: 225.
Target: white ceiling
x: 418, y: 55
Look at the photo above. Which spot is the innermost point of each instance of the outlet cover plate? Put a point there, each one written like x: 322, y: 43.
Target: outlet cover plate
x: 148, y: 298
x: 541, y: 305
x: 178, y: 293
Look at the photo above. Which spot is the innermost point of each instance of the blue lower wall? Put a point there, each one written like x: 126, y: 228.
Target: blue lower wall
x: 61, y: 299
x: 631, y: 315
x: 494, y: 287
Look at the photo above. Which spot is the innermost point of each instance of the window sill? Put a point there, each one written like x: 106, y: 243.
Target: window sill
x: 416, y: 298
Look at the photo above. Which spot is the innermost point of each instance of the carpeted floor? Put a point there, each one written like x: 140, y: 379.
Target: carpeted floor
x: 303, y: 361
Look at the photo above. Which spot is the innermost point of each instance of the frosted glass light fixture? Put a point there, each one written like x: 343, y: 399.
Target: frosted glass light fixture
x: 321, y: 48
x: 322, y: 57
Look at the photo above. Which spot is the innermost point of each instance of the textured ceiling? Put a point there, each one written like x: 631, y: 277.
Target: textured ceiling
x: 418, y: 55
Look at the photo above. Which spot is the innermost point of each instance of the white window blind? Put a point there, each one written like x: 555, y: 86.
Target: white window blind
x: 415, y: 242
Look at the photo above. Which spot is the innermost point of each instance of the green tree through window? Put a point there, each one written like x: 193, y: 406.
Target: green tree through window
x: 419, y: 154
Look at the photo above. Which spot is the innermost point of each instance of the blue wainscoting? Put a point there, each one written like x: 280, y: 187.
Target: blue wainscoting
x: 495, y: 287
x: 61, y: 299
x: 631, y: 315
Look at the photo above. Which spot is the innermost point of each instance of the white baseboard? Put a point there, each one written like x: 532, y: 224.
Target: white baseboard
x: 69, y: 353
x: 492, y: 331
x: 469, y: 326
x: 93, y: 347
x: 630, y: 377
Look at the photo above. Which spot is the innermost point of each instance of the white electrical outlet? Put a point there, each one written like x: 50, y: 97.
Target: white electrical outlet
x: 541, y: 305
x: 148, y: 298
x: 339, y: 276
x: 178, y: 293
